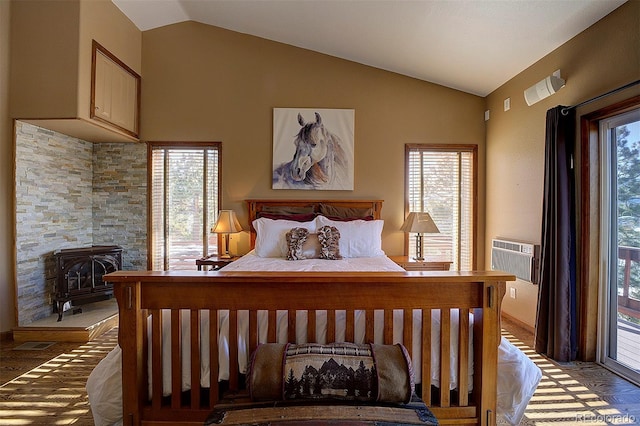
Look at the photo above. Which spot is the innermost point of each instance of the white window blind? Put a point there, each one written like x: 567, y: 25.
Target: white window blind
x: 184, y: 203
x: 441, y: 182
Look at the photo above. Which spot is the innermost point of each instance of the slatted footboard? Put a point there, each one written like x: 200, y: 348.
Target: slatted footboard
x: 188, y: 313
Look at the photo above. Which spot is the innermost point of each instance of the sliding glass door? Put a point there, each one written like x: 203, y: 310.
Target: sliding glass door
x: 620, y: 226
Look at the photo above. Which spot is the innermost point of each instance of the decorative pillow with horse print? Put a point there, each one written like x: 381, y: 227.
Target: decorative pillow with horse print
x: 329, y: 238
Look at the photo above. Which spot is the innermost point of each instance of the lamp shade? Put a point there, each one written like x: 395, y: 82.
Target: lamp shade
x: 420, y: 222
x: 227, y: 223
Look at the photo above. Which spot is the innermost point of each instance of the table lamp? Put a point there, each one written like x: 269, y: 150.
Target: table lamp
x: 419, y: 223
x: 226, y: 224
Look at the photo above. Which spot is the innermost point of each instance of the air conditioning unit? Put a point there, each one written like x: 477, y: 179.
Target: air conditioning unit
x: 515, y: 257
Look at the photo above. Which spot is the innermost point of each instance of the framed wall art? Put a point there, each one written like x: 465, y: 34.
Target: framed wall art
x: 313, y: 148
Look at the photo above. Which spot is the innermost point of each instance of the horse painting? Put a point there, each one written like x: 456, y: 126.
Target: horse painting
x: 319, y: 160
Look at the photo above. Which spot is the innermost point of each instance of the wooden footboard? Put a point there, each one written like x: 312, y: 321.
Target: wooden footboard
x: 147, y: 299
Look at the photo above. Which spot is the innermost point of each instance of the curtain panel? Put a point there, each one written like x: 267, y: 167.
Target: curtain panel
x: 556, y: 328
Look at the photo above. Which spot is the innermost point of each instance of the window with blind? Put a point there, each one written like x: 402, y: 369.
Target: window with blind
x: 185, y: 200
x: 441, y: 180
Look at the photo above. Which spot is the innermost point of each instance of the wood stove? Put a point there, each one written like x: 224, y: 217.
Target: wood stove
x: 79, y: 274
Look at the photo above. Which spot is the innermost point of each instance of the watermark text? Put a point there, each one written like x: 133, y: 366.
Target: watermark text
x: 607, y: 418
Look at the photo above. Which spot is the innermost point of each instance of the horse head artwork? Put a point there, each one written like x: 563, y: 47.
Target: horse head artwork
x: 319, y: 161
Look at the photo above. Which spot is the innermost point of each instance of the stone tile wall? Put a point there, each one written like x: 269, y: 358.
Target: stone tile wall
x: 72, y: 193
x: 120, y: 200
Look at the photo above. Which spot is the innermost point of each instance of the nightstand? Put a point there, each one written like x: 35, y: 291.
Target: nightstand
x: 429, y: 264
x: 214, y: 261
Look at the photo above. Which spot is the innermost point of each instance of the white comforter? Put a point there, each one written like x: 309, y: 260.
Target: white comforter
x: 103, y: 384
x: 252, y: 262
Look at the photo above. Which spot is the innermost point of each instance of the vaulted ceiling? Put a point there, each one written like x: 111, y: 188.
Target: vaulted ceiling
x: 471, y: 45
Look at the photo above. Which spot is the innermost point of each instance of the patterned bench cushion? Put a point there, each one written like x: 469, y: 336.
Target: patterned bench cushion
x: 338, y: 371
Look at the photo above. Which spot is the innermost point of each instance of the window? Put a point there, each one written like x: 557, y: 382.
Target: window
x: 185, y: 199
x: 441, y: 180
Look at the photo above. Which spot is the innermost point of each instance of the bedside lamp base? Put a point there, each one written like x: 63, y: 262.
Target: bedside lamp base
x: 419, y: 256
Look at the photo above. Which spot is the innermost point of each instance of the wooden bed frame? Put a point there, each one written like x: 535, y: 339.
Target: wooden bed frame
x: 143, y: 295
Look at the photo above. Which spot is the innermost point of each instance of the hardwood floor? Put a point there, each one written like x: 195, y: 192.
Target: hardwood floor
x: 577, y: 392
x: 48, y: 386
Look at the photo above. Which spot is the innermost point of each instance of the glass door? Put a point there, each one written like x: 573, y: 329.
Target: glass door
x: 620, y: 228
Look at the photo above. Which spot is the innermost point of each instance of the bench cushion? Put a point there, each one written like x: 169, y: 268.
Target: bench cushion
x: 338, y: 371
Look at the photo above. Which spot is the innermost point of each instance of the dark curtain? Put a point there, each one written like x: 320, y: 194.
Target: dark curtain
x: 556, y: 330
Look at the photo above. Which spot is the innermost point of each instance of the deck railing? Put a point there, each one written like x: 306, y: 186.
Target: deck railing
x: 627, y: 304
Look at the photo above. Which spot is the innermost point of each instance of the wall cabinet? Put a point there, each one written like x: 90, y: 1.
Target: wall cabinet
x: 115, y: 91
x: 59, y: 74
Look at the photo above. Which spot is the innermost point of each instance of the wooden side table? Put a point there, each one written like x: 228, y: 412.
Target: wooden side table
x: 429, y: 264
x: 213, y: 262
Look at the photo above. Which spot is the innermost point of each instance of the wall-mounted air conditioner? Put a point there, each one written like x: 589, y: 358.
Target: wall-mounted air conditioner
x: 515, y: 257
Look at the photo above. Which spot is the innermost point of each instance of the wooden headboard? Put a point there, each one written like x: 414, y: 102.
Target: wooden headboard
x: 257, y: 206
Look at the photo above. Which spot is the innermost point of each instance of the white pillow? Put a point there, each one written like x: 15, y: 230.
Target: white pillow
x: 358, y: 238
x: 271, y: 238
x: 311, y: 248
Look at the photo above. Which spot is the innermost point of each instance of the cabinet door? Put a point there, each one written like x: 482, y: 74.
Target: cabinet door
x: 115, y: 92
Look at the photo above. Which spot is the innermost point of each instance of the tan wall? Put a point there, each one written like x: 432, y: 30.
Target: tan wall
x: 44, y: 58
x: 104, y: 22
x: 7, y: 286
x: 602, y: 58
x: 205, y: 83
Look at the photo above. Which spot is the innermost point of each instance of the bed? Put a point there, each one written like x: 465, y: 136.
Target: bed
x: 449, y: 321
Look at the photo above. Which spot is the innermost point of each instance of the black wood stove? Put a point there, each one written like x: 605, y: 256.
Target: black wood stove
x: 79, y: 274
